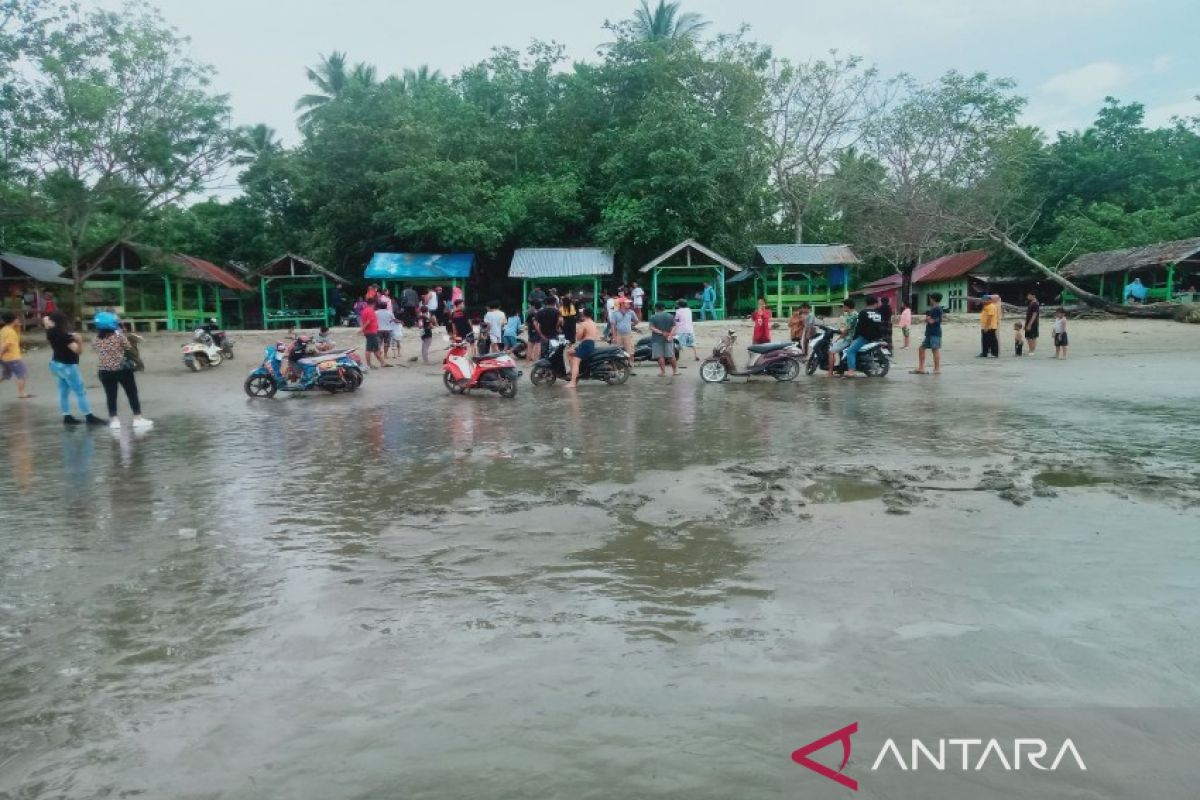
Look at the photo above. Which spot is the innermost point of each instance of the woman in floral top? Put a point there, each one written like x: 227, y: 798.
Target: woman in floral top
x: 110, y: 344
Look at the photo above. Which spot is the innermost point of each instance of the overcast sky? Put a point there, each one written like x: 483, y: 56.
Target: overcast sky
x: 1066, y: 55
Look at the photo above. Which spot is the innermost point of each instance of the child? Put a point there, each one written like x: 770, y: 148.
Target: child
x: 933, y: 336
x: 323, y: 341
x: 425, y: 323
x: 1060, y: 334
x: 905, y: 322
x: 512, y: 326
x: 1018, y: 338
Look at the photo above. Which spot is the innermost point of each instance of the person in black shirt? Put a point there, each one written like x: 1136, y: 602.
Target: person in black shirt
x: 549, y: 322
x: 1033, y: 315
x: 870, y: 328
x: 460, y: 326
x: 534, y: 351
x: 64, y: 365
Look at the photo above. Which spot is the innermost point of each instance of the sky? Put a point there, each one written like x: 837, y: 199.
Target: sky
x: 1066, y: 55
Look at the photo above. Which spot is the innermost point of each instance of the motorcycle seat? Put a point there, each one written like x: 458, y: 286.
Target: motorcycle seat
x: 312, y: 361
x: 488, y: 357
x: 605, y: 350
x: 768, y: 348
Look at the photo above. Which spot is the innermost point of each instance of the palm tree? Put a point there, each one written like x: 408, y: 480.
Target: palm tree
x: 421, y: 76
x: 333, y: 79
x: 253, y: 143
x: 664, y: 22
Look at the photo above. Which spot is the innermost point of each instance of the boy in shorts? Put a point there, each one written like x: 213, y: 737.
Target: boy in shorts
x: 11, y: 364
x: 933, y: 336
x: 1060, y: 334
x: 1019, y: 338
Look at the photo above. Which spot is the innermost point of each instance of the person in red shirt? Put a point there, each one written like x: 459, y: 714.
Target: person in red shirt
x: 370, y: 331
x: 762, y: 323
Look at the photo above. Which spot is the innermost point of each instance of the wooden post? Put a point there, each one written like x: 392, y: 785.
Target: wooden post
x: 779, y: 292
x: 1101, y: 292
x: 653, y: 286
x: 325, y: 299
x: 262, y: 292
x: 1170, y: 281
x: 170, y: 306
x: 1124, y: 297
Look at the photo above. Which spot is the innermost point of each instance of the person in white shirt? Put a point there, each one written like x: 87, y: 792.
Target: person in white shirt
x: 685, y: 332
x: 493, y: 326
x: 388, y: 331
x: 638, y: 295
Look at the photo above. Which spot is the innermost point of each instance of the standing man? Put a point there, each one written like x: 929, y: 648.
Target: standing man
x: 1033, y: 315
x: 610, y: 306
x: 11, y: 364
x: 387, y: 330
x: 549, y: 324
x: 460, y: 326
x: 537, y: 296
x: 408, y: 306
x: 638, y: 295
x: 622, y: 322
x: 337, y: 299
x: 369, y: 320
x: 708, y: 302
x: 989, y: 326
x: 493, y: 323
x: 662, y: 328
x: 933, y: 336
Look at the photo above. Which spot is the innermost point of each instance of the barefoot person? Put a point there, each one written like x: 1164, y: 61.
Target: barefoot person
x: 662, y: 328
x: 587, y: 333
x: 685, y: 331
x: 11, y: 364
x: 905, y: 323
x: 1033, y: 316
x: 933, y: 336
x: 65, y: 348
x: 1060, y: 334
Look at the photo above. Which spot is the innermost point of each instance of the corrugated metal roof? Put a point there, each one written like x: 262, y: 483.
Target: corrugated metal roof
x: 286, y: 264
x: 198, y: 269
x: 947, y: 268
x: 42, y: 270
x: 449, y: 266
x: 804, y: 255
x: 560, y: 262
x: 1152, y: 255
x: 699, y: 248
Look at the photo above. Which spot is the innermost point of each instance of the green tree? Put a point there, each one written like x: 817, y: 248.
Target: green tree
x: 333, y: 78
x: 255, y: 142
x: 665, y: 22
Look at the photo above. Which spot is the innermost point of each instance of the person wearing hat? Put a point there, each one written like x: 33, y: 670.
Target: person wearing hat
x: 115, y: 370
x: 622, y: 321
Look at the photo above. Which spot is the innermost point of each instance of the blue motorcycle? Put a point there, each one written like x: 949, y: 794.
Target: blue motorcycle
x: 334, y: 371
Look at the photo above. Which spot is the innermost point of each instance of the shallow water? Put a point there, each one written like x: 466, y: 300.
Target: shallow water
x: 620, y: 592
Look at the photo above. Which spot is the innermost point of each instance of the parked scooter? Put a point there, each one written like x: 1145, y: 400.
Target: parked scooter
x: 780, y: 360
x: 641, y: 351
x: 609, y: 364
x: 202, y: 352
x: 290, y: 369
x: 496, y: 372
x: 220, y: 338
x: 874, y: 359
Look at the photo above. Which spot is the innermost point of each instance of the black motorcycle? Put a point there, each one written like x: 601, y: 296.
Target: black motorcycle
x: 608, y: 364
x: 874, y: 359
x: 641, y: 351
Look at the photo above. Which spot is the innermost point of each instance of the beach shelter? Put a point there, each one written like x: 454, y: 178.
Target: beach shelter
x: 398, y: 270
x: 557, y: 267
x: 151, y: 287
x: 295, y: 291
x: 791, y: 274
x: 24, y: 278
x: 682, y: 271
x: 1166, y: 269
x: 952, y: 276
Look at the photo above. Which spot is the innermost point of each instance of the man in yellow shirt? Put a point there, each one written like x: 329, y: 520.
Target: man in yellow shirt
x: 11, y: 365
x: 989, y: 326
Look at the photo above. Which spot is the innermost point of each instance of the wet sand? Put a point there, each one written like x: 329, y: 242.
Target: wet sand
x: 636, y: 591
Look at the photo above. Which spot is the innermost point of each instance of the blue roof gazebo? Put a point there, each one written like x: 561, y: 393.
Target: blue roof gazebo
x: 395, y: 270
x: 555, y: 266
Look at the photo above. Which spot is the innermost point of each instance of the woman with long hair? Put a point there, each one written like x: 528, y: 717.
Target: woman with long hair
x: 65, y: 347
x: 115, y: 371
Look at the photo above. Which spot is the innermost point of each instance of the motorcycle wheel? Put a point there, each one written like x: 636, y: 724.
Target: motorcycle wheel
x: 452, y: 385
x: 355, y: 376
x: 542, y: 376
x: 228, y: 353
x: 712, y: 371
x: 810, y: 366
x: 192, y: 363
x: 216, y: 360
x: 879, y: 367
x: 618, y: 373
x: 260, y: 386
x: 787, y: 371
x: 506, y: 387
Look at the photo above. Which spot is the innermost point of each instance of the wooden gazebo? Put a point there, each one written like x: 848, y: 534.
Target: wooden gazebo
x: 295, y: 291
x: 675, y: 281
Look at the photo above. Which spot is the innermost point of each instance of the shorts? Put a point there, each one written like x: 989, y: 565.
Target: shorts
x: 385, y: 338
x: 661, y: 350
x: 1032, y: 333
x: 932, y: 343
x: 905, y: 332
x: 686, y: 339
x: 585, y: 348
x: 509, y: 341
x: 372, y: 342
x: 839, y: 345
x: 534, y: 338
x: 1060, y: 340
x: 13, y: 369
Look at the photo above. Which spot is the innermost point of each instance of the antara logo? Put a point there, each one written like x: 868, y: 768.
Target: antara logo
x: 1033, y: 752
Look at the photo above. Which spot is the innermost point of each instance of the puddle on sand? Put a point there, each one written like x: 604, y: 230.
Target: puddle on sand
x: 842, y: 490
x: 1067, y: 479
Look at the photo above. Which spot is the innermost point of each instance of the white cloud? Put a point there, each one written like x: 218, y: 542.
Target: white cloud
x: 1088, y: 85
x: 1162, y: 63
x: 1159, y: 116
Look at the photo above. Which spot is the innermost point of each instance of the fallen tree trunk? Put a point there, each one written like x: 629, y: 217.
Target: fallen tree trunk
x: 1147, y: 311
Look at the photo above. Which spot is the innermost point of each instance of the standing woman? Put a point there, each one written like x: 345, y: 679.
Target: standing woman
x: 110, y: 344
x: 64, y: 366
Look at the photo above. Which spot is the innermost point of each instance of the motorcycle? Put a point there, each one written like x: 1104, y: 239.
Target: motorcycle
x: 780, y: 360
x: 292, y: 369
x: 609, y: 364
x: 641, y: 351
x: 222, y: 340
x: 202, y: 352
x: 874, y: 359
x: 496, y: 372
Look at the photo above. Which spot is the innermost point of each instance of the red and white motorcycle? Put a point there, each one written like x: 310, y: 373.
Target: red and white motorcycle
x: 496, y: 372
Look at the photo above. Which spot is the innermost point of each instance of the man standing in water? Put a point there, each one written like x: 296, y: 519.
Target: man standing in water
x: 1033, y: 315
x: 708, y: 302
x: 989, y: 326
x: 933, y: 336
x: 662, y: 328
